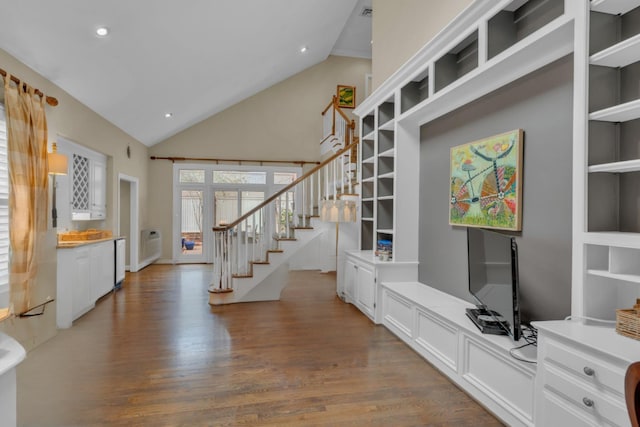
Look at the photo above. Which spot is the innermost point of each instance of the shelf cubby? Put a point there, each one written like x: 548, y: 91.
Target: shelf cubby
x: 613, y: 146
x: 385, y: 187
x: 612, y: 202
x: 414, y: 92
x: 385, y: 165
x: 367, y: 209
x: 458, y: 62
x: 368, y: 149
x: 366, y: 234
x: 367, y: 190
x: 385, y: 140
x: 519, y: 20
x: 368, y: 124
x: 385, y: 113
x: 385, y: 214
x: 368, y: 170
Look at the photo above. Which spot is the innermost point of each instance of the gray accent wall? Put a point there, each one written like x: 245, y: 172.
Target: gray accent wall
x: 541, y: 105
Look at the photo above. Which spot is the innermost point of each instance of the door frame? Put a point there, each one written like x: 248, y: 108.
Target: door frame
x: 134, y: 262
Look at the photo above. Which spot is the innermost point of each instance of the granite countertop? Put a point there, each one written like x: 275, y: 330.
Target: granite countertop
x: 68, y: 244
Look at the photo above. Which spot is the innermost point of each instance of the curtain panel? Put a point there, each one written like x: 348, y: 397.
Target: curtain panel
x: 28, y: 188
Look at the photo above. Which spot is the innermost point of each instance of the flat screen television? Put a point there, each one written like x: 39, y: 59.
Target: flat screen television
x: 493, y: 282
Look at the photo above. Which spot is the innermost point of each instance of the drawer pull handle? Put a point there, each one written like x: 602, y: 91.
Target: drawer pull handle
x: 587, y: 402
x: 588, y: 371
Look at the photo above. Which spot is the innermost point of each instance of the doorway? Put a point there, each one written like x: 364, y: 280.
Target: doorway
x: 128, y: 218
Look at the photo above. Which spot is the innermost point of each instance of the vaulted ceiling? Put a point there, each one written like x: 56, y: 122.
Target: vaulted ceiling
x: 184, y: 59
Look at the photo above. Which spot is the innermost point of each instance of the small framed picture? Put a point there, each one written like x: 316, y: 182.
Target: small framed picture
x: 346, y: 96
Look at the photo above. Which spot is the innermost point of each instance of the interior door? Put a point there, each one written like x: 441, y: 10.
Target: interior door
x: 193, y: 243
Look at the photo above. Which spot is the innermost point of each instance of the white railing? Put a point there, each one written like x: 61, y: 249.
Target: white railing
x: 337, y: 129
x: 247, y: 241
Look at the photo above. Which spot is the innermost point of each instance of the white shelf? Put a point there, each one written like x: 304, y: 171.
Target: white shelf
x: 385, y: 230
x: 386, y: 197
x: 387, y: 175
x: 371, y: 179
x: 613, y: 238
x: 624, y: 277
x: 389, y: 153
x: 618, y: 113
x: 368, y: 199
x: 619, y: 55
x: 389, y: 125
x: 369, y: 160
x: 613, y: 7
x: 617, y: 167
x: 367, y: 219
x: 551, y: 42
x: 370, y: 136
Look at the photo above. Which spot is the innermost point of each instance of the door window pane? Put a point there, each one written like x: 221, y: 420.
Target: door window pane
x: 225, y: 206
x: 191, y: 222
x: 239, y: 177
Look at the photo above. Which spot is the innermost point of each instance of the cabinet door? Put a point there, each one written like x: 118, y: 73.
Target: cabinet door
x: 98, y: 189
x: 350, y: 274
x: 81, y: 297
x: 102, y: 268
x: 365, y: 290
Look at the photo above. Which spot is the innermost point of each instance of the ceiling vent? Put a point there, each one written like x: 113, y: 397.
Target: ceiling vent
x: 367, y: 12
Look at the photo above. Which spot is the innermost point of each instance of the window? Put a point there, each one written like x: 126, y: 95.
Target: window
x: 284, y: 177
x: 191, y: 176
x: 4, y: 214
x: 239, y: 177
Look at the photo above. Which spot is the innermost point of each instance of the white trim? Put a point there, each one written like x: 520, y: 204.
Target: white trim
x: 134, y: 259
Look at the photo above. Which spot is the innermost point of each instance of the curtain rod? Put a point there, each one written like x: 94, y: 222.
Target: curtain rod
x: 240, y: 161
x: 50, y: 99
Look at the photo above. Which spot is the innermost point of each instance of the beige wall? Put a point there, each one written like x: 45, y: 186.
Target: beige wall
x: 402, y: 27
x: 281, y: 122
x: 80, y: 124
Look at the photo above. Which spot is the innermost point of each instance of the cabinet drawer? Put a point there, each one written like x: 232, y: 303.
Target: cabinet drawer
x: 596, y: 372
x: 586, y: 400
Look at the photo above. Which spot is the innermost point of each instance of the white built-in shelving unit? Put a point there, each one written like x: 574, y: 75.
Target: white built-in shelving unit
x: 606, y: 273
x: 488, y: 46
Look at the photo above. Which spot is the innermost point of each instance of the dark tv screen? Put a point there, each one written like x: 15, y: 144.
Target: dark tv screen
x: 493, y: 276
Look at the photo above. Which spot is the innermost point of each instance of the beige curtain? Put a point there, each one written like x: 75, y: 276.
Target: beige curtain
x: 28, y: 195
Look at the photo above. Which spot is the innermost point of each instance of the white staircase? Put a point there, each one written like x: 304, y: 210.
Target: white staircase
x: 251, y: 254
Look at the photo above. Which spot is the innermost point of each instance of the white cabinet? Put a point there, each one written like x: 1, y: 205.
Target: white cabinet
x: 85, y: 273
x: 87, y: 182
x: 98, y: 189
x: 434, y: 324
x: 365, y: 290
x: 363, y: 274
x: 580, y: 380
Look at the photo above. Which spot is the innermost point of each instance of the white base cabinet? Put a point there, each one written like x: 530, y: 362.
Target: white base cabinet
x: 85, y: 273
x: 360, y: 281
x: 434, y: 324
x: 581, y: 369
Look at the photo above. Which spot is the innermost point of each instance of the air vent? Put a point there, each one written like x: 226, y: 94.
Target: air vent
x: 366, y: 12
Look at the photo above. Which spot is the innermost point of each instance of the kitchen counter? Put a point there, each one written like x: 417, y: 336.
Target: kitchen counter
x: 67, y: 244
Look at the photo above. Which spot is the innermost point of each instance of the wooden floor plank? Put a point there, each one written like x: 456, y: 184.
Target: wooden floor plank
x: 155, y: 353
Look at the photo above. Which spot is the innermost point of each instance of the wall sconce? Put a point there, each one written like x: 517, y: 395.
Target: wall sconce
x: 58, y: 165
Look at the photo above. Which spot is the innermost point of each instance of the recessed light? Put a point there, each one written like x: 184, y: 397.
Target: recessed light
x: 303, y: 49
x: 168, y: 115
x: 102, y: 31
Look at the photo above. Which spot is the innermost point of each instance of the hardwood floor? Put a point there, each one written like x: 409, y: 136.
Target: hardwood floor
x: 156, y: 354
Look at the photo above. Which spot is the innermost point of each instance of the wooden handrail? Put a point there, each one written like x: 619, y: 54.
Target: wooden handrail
x: 284, y: 190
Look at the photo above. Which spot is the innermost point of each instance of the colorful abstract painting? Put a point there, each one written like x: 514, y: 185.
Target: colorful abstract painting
x: 486, y: 183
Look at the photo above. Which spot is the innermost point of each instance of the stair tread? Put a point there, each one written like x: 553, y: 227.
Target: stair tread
x: 242, y: 276
x: 303, y: 228
x: 260, y: 262
x: 285, y: 239
x: 276, y: 251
